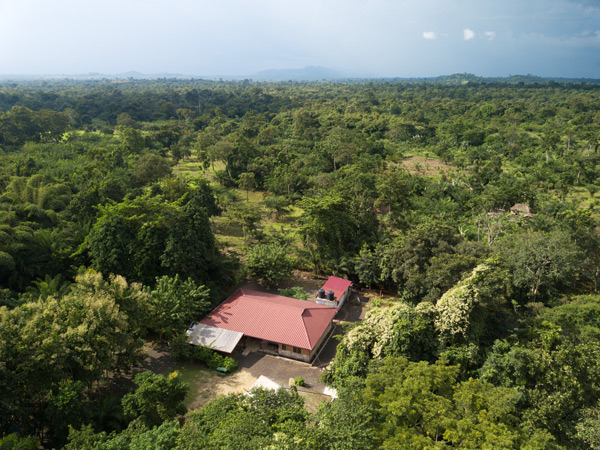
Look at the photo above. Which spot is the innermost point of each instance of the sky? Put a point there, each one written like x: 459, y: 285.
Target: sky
x: 377, y: 38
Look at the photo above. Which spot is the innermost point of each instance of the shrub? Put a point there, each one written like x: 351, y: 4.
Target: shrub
x: 299, y: 381
x: 295, y: 292
x: 230, y: 364
x: 180, y: 349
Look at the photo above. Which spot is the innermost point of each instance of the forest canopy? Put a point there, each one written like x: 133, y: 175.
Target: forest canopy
x: 130, y: 208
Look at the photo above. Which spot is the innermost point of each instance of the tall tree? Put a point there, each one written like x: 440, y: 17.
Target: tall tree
x: 541, y: 263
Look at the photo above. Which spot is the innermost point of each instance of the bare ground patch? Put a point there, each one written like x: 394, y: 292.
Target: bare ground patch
x: 312, y: 400
x: 210, y: 386
x: 421, y: 165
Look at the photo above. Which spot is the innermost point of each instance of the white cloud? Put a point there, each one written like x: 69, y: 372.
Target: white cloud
x: 468, y: 34
x: 490, y: 35
x: 429, y: 35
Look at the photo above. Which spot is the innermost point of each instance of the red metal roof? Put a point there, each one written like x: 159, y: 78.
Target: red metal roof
x: 275, y: 318
x: 337, y: 285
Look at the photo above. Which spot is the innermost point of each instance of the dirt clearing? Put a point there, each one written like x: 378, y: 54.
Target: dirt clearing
x: 209, y: 386
x: 421, y: 165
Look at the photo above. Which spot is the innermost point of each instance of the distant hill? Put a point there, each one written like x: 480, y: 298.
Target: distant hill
x: 309, y: 73
x: 466, y: 78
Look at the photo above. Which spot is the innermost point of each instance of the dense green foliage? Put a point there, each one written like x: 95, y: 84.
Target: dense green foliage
x: 475, y: 202
x: 270, y: 263
x: 54, y: 351
x: 175, y: 303
x: 157, y: 398
x: 144, y: 238
x: 295, y: 292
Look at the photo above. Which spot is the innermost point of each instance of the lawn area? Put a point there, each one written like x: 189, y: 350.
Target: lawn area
x: 312, y: 400
x: 582, y: 198
x: 205, y: 385
x: 231, y: 234
x: 192, y: 376
x: 190, y: 168
x: 427, y: 166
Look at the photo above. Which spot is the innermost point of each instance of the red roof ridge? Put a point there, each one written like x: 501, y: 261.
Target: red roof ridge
x: 300, y: 304
x: 305, y: 330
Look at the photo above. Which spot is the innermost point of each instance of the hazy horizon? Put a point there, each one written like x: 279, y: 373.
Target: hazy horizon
x: 137, y: 75
x: 236, y: 38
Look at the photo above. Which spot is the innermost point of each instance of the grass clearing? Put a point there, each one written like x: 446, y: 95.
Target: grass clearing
x: 230, y: 235
x: 210, y: 385
x: 192, y: 167
x: 189, y: 168
x: 192, y: 376
x: 205, y: 385
x: 582, y: 198
x: 426, y: 166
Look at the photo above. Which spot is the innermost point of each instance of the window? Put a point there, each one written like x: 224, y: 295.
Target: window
x: 297, y: 350
x: 283, y: 347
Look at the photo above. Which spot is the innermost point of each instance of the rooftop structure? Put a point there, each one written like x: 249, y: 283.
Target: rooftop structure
x: 286, y: 321
x: 337, y: 285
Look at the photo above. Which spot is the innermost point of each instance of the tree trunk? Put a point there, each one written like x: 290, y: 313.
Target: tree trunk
x: 536, y: 288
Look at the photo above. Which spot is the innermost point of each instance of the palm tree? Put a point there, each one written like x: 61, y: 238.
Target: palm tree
x: 48, y: 287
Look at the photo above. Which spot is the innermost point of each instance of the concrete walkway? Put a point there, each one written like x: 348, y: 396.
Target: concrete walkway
x: 280, y: 369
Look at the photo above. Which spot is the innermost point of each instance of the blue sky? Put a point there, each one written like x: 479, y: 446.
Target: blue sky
x: 404, y: 38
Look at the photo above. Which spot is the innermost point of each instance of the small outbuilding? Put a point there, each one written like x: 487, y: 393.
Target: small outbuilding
x: 334, y: 292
